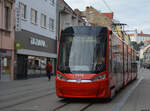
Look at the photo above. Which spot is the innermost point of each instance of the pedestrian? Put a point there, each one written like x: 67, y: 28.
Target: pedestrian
x: 48, y: 69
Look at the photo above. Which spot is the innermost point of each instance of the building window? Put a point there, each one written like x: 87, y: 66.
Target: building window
x: 51, y: 24
x: 36, y: 65
x: 43, y: 20
x: 23, y: 8
x: 7, y: 18
x: 33, y: 16
x: 52, y: 2
x: 5, y: 65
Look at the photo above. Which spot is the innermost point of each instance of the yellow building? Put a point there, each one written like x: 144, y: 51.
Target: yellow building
x: 121, y: 33
x: 96, y: 18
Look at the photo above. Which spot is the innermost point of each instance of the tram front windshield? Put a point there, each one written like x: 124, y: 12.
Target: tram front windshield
x: 82, y: 50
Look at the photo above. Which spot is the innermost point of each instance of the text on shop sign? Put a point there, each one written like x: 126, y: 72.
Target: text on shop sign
x: 37, y: 42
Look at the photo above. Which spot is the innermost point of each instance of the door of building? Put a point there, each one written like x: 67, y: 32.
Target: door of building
x: 0, y: 67
x: 22, y: 66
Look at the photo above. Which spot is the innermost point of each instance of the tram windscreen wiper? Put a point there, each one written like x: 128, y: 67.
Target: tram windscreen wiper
x: 64, y: 69
x: 99, y: 67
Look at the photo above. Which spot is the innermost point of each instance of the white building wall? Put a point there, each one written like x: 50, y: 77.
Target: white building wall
x: 66, y: 21
x: 42, y: 6
x: 132, y: 38
x: 75, y: 21
x: 138, y: 39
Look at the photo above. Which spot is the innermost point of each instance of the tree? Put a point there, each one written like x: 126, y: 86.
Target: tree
x: 141, y: 44
x: 137, y: 46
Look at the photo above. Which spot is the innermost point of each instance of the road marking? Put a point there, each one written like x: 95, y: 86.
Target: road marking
x: 124, y: 99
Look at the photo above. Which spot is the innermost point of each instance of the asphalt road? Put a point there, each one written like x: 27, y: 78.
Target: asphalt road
x: 38, y: 94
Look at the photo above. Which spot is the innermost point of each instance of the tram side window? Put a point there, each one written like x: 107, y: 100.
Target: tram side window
x: 100, y: 58
x: 115, y: 56
x: 134, y: 67
x: 110, y: 56
x: 126, y: 59
x: 116, y: 67
x: 128, y: 63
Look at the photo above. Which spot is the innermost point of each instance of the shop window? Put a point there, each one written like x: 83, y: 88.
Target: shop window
x: 5, y: 65
x: 36, y: 65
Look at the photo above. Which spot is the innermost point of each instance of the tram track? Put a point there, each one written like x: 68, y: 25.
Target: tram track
x: 28, y: 93
x: 65, y: 104
x: 59, y: 107
x: 86, y: 107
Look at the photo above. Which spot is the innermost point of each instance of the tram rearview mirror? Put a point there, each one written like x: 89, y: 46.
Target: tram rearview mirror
x: 110, y: 32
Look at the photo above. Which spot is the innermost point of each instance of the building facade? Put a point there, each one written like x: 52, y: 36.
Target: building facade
x: 96, y: 18
x: 35, y: 37
x: 145, y: 56
x: 67, y: 16
x: 118, y: 28
x: 140, y: 37
x: 7, y: 39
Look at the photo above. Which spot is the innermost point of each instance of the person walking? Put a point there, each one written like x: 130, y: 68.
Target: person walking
x: 48, y: 69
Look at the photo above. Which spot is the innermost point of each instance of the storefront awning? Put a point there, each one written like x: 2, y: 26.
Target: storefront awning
x: 36, y: 53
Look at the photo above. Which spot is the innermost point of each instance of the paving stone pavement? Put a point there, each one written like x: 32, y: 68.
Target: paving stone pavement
x: 139, y: 100
x: 38, y: 94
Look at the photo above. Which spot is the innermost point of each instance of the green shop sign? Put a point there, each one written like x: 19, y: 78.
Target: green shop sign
x: 18, y: 45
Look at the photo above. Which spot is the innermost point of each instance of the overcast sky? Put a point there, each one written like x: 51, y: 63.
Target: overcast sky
x: 135, y: 13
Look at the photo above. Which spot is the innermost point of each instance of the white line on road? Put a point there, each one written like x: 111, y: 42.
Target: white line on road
x: 124, y: 99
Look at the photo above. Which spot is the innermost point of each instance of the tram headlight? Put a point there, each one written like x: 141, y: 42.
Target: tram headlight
x: 101, y: 77
x: 61, y: 77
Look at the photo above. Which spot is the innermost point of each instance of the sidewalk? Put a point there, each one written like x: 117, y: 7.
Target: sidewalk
x: 7, y: 85
x: 17, y: 92
x: 139, y: 100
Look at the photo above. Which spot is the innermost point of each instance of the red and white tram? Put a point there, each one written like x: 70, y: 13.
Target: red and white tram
x: 93, y: 62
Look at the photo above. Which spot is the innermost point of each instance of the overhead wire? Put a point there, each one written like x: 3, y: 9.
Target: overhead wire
x: 107, y: 5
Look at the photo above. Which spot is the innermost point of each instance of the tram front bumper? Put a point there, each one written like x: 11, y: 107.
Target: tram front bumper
x: 98, y: 89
